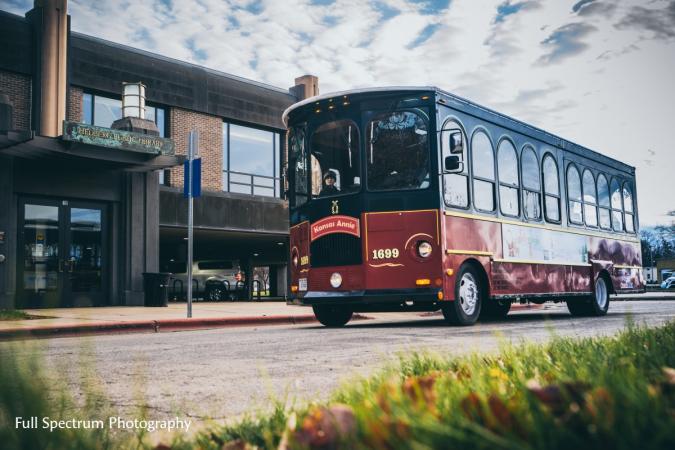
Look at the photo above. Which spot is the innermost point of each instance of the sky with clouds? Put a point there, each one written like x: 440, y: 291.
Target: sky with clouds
x: 600, y: 73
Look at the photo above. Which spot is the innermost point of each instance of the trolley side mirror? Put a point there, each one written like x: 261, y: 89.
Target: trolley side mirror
x: 452, y: 164
x: 456, y: 143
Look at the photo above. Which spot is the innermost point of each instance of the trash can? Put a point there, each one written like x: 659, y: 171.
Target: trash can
x: 156, y: 287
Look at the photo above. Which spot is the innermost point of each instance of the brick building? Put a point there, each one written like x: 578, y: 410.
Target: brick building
x: 85, y: 210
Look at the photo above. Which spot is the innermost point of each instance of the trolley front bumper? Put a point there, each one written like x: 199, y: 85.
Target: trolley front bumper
x: 374, y: 300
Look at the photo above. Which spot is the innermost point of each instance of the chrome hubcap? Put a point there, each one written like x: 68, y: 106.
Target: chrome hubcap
x: 601, y: 293
x: 468, y: 294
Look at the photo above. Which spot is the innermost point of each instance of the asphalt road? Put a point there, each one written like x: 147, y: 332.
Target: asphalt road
x: 224, y: 373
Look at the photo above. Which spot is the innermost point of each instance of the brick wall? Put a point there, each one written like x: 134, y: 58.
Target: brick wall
x: 74, y: 107
x: 210, y: 128
x: 18, y: 88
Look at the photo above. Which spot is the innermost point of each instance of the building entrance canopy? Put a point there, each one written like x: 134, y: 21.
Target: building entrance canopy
x: 30, y: 146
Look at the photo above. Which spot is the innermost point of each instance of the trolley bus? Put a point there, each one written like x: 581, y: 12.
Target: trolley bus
x: 414, y: 199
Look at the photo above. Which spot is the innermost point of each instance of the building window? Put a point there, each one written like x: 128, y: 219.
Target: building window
x: 551, y: 189
x: 574, y: 195
x: 531, y: 184
x: 483, y: 166
x: 251, y: 161
x: 507, y: 166
x: 103, y: 111
x: 629, y: 217
x: 590, y: 200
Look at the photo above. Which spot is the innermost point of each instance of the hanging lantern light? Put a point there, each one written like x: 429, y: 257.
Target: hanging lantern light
x: 133, y: 100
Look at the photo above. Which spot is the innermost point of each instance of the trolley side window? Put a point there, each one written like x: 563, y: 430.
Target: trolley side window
x: 551, y: 189
x: 509, y: 182
x: 531, y: 184
x: 298, y: 162
x: 483, y: 167
x: 455, y: 185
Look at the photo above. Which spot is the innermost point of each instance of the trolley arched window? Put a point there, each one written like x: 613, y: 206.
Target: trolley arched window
x: 603, y: 202
x: 629, y: 215
x: 455, y: 185
x: 551, y: 189
x: 617, y: 210
x: 507, y: 167
x: 590, y: 199
x: 483, y: 165
x: 574, y: 195
x: 531, y: 184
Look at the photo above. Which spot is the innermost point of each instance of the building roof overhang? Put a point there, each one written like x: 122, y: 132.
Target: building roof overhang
x: 28, y: 145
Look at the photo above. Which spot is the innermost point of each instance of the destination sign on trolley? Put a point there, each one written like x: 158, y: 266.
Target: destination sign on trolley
x: 335, y: 224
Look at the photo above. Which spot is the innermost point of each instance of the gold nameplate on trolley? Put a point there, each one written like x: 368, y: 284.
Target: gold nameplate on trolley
x: 335, y: 224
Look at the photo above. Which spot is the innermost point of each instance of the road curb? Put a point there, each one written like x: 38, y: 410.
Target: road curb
x: 156, y: 326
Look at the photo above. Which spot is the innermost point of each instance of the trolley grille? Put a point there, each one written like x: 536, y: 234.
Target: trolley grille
x: 335, y: 249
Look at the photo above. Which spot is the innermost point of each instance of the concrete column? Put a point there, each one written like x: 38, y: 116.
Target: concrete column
x: 50, y: 35
x: 141, y: 244
x: 281, y: 280
x: 8, y: 227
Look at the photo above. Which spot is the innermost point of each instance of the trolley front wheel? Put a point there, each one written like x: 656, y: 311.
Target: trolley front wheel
x: 332, y: 316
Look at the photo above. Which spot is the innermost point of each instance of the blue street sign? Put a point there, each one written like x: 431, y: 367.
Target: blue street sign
x: 196, y: 178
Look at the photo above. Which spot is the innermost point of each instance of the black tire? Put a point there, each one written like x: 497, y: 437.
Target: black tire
x: 579, y: 306
x: 332, y: 316
x: 215, y: 293
x: 495, y: 309
x: 470, y: 295
x: 596, y: 305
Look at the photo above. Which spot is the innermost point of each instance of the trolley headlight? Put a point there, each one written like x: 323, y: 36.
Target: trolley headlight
x: 294, y: 258
x: 424, y: 249
x: 336, y: 280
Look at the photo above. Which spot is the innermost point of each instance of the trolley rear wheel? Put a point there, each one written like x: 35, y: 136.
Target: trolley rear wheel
x: 595, y: 305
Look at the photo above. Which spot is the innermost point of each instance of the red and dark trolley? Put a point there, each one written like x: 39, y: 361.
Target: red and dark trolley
x: 413, y: 199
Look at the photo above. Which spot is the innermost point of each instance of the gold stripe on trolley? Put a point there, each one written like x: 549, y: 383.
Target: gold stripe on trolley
x: 532, y: 261
x: 622, y: 266
x: 469, y: 252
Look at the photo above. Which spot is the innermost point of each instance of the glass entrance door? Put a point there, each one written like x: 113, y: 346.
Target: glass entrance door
x: 83, y: 284
x: 39, y: 267
x: 63, y: 254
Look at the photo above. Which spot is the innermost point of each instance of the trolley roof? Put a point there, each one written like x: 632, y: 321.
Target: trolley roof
x: 476, y: 109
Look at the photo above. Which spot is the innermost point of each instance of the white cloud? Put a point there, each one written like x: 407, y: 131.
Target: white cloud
x: 611, y: 91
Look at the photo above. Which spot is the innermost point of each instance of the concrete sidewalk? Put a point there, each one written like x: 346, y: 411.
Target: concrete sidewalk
x: 68, y: 321
x: 116, y: 319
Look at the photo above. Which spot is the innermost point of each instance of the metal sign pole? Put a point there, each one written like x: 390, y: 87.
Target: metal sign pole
x: 193, y: 143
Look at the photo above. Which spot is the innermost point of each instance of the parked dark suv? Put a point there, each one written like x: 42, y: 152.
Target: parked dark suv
x: 213, y: 280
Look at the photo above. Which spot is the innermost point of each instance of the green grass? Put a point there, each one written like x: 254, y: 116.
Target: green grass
x: 26, y: 391
x: 610, y: 393
x: 13, y: 314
